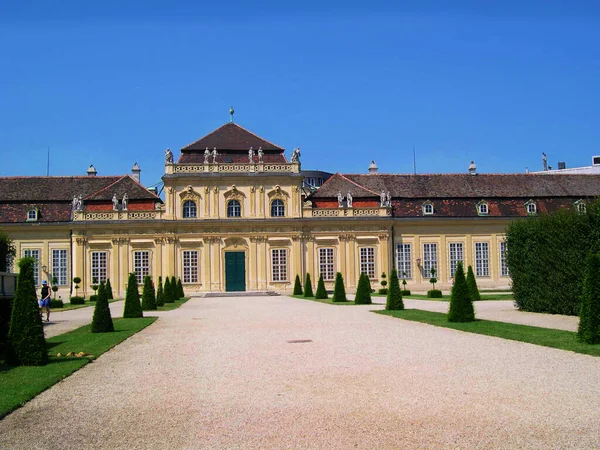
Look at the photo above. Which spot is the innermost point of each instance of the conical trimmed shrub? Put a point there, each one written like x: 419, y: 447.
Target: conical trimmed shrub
x: 339, y: 290
x: 321, y: 293
x: 363, y: 290
x: 109, y: 293
x: 174, y: 292
x: 589, y: 316
x: 167, y: 293
x: 102, y: 320
x: 27, y: 345
x: 472, y: 285
x: 160, y: 298
x: 394, y: 300
x: 461, y: 306
x: 297, y: 286
x: 180, y: 292
x: 308, y: 291
x: 132, y: 307
x: 148, y: 295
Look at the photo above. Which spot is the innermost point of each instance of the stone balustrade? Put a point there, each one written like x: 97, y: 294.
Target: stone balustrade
x: 348, y: 212
x: 80, y: 216
x: 175, y: 168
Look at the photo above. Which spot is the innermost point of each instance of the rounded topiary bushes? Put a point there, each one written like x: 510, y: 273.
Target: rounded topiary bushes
x: 363, y: 290
x: 394, y: 296
x: 132, y: 307
x: 461, y: 306
x: 27, y: 345
x: 589, y: 317
x: 102, y: 320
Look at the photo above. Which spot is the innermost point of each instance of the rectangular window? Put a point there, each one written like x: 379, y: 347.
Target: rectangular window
x: 503, y: 266
x: 326, y: 264
x: 404, y: 261
x: 59, y: 266
x: 35, y: 254
x: 456, y: 255
x: 279, y: 264
x: 190, y: 266
x: 98, y: 267
x: 367, y: 261
x: 430, y: 260
x: 482, y: 259
x: 141, y: 265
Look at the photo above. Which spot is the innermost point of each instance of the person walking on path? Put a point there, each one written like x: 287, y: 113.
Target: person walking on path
x: 45, y: 300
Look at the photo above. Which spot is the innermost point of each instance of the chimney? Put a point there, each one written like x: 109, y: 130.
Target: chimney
x: 91, y: 172
x: 373, y: 168
x: 472, y: 168
x: 135, y: 172
x: 562, y: 165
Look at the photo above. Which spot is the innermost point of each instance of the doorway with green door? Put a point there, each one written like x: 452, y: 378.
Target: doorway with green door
x: 235, y: 271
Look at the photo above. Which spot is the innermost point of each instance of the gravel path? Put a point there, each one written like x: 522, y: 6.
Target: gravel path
x: 63, y: 321
x: 220, y: 373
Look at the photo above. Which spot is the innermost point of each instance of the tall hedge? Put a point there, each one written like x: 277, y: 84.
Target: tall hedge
x: 589, y: 317
x: 180, y: 292
x: 339, y: 290
x: 148, y: 295
x: 321, y: 293
x: 394, y: 300
x: 363, y: 290
x: 27, y: 345
x: 167, y: 292
x: 546, y: 255
x: 472, y: 285
x: 308, y: 290
x: 297, y: 286
x: 160, y: 298
x: 132, y: 306
x: 102, y: 320
x: 461, y: 305
x: 109, y: 293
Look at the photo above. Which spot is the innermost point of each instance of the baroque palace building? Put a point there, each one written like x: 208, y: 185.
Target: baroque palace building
x: 238, y: 216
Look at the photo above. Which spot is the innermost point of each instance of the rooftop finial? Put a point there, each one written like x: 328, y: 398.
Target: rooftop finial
x: 231, y: 112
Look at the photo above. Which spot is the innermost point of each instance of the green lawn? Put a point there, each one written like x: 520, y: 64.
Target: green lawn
x: 328, y: 301
x: 447, y: 297
x: 564, y: 340
x: 171, y: 306
x: 68, y: 307
x: 20, y: 384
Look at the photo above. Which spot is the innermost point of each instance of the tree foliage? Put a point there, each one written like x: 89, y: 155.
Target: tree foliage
x: 363, y: 290
x: 109, y: 292
x: 472, y: 285
x: 102, y: 320
x: 339, y: 290
x: 7, y: 250
x: 167, y: 292
x: 589, y: 317
x: 160, y: 298
x: 297, y: 286
x: 27, y: 345
x: 321, y: 293
x: 180, y: 292
x: 148, y: 295
x: 174, y: 292
x: 394, y: 296
x: 461, y: 305
x: 308, y: 290
x: 132, y: 299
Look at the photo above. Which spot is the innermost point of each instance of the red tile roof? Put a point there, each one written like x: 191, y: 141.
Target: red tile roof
x: 231, y: 136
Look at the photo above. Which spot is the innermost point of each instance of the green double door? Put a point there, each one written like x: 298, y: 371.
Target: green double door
x: 235, y: 271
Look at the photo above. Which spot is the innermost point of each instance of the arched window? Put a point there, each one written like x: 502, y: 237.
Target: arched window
x: 189, y: 209
x: 482, y: 208
x: 234, y: 209
x: 277, y: 208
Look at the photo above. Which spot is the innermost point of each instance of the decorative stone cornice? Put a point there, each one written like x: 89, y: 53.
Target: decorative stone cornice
x: 258, y: 239
x: 212, y: 239
x: 81, y: 241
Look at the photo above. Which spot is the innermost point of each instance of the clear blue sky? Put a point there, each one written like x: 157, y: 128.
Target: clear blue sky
x: 112, y: 83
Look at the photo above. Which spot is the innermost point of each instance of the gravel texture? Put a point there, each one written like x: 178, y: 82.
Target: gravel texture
x: 219, y: 373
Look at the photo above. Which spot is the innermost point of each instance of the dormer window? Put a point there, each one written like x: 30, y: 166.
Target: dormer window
x: 427, y: 209
x: 32, y: 215
x: 531, y: 207
x: 580, y: 206
x: 482, y: 208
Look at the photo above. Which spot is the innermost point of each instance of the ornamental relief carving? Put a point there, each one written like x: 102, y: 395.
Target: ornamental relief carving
x: 81, y: 241
x: 189, y: 194
x: 258, y: 239
x: 234, y: 194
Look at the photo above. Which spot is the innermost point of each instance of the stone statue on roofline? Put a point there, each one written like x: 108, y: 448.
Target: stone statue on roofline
x: 115, y: 202
x: 125, y: 201
x: 79, y: 204
x: 251, y: 155
x: 168, y: 156
x: 74, y: 203
x: 260, y: 154
x: 382, y: 197
x: 349, y: 199
x: 388, y: 199
x: 214, y: 155
x: 296, y: 155
x: 544, y: 161
x: 206, y: 155
x: 340, y: 199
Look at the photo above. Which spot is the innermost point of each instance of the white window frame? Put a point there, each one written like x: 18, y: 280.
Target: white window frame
x: 327, y: 263
x: 427, y: 209
x: 480, y: 209
x: 531, y: 207
x: 580, y: 206
x: 189, y: 207
x: 35, y: 254
x: 141, y: 265
x: 237, y: 207
x: 456, y: 253
x: 190, y: 267
x: 404, y: 260
x: 60, y: 266
x: 99, y: 266
x: 279, y: 208
x: 32, y: 215
x: 482, y: 259
x: 279, y: 265
x: 430, y: 259
x: 503, y: 266
x: 367, y: 262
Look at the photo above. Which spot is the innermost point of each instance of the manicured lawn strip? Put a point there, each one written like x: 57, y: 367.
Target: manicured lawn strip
x: 446, y: 297
x: 20, y: 384
x: 327, y: 301
x: 68, y: 307
x: 171, y: 306
x: 564, y: 340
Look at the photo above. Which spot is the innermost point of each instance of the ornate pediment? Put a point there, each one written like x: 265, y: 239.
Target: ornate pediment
x: 277, y: 192
x: 234, y: 194
x: 189, y: 194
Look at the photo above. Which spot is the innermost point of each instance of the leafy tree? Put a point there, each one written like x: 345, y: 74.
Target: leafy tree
x: 297, y: 286
x: 167, y: 294
x: 174, y: 293
x: 308, y: 290
x: 76, y: 281
x: 180, y: 292
x: 148, y: 295
x: 339, y: 290
x: 321, y: 293
x: 102, y: 320
x: 461, y: 305
x: 363, y: 290
x: 7, y: 250
x: 109, y: 293
x: 132, y: 299
x: 160, y: 297
x: 27, y: 345
x: 394, y: 296
x: 472, y: 285
x: 589, y: 317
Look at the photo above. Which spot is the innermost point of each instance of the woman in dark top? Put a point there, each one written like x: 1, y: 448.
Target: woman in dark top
x: 45, y: 300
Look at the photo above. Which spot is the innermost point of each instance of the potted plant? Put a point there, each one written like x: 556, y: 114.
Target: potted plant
x: 76, y: 281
